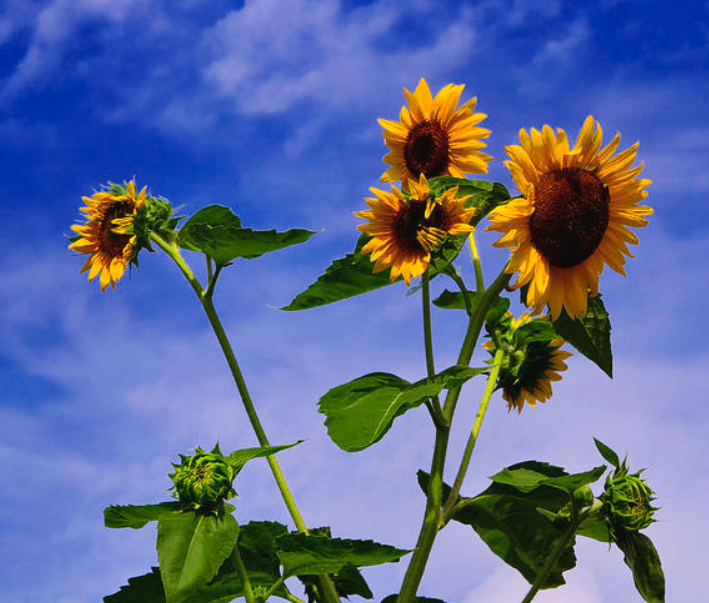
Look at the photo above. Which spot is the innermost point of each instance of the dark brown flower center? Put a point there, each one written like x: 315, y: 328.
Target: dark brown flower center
x: 426, y: 149
x: 570, y: 216
x: 111, y: 242
x: 412, y: 222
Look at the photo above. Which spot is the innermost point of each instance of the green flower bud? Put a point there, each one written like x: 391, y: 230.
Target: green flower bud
x: 583, y: 497
x: 627, y: 502
x: 204, y: 480
x: 156, y: 216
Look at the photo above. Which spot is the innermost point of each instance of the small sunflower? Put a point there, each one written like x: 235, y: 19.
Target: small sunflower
x: 529, y: 365
x: 405, y: 230
x: 434, y: 138
x: 107, y: 234
x: 572, y: 219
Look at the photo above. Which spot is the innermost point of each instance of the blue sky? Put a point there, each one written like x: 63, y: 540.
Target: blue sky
x: 270, y: 107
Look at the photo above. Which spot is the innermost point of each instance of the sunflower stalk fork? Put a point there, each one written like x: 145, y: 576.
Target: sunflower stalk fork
x: 433, y: 514
x: 205, y: 298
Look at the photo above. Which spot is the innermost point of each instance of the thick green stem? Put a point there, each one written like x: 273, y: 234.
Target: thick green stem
x: 205, y: 299
x: 473, y: 438
x: 480, y: 284
x: 432, y: 520
x: 243, y: 574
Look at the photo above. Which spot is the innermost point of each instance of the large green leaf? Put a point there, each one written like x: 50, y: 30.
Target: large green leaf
x: 643, y: 560
x: 526, y: 477
x: 136, y: 516
x: 141, y: 589
x: 191, y: 548
x: 515, y: 526
x: 257, y: 546
x: 361, y: 411
x: 590, y: 335
x: 239, y: 458
x: 352, y: 275
x: 216, y: 231
x: 307, y: 554
x: 595, y: 527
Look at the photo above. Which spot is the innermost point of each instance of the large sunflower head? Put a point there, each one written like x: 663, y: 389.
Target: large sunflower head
x: 107, y: 235
x: 530, y: 361
x: 434, y: 137
x: 406, y: 229
x: 573, y: 217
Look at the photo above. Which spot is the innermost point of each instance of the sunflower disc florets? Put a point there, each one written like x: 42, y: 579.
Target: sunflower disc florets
x: 203, y: 481
x: 531, y: 359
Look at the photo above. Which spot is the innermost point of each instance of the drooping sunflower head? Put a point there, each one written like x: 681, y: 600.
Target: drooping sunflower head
x: 405, y: 230
x: 573, y: 217
x: 530, y: 361
x: 107, y: 235
x: 434, y: 137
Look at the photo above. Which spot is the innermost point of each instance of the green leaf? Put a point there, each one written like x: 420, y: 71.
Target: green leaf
x: 191, y: 548
x: 141, y: 589
x: 348, y: 581
x: 216, y: 231
x: 590, y: 335
x: 136, y: 516
x: 307, y: 554
x: 595, y: 527
x: 239, y: 458
x: 526, y: 479
x: 352, y: 275
x: 454, y: 300
x: 608, y: 453
x: 257, y: 546
x: 509, y: 521
x: 361, y: 411
x: 642, y: 559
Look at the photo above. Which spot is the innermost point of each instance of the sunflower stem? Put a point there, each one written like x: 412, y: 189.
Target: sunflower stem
x: 473, y: 438
x: 173, y: 251
x: 552, y: 558
x: 428, y: 341
x: 433, y: 515
x: 479, y: 282
x: 463, y: 290
x: 212, y: 282
x: 243, y: 574
x: 209, y: 268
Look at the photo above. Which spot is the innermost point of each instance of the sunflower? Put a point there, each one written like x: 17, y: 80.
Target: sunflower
x: 530, y: 363
x: 572, y: 219
x: 107, y: 234
x: 434, y: 138
x: 405, y: 230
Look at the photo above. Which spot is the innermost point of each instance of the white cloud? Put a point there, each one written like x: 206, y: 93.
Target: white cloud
x: 562, y: 49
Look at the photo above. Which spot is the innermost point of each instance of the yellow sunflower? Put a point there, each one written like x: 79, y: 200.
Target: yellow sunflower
x: 106, y: 234
x: 434, y: 138
x: 530, y: 367
x: 572, y: 219
x: 405, y: 230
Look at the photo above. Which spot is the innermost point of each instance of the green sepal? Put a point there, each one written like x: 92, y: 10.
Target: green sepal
x: 136, y: 516
x: 509, y: 521
x: 191, y: 549
x: 239, y: 458
x: 590, y: 335
x: 608, y: 453
x: 641, y: 556
x: 216, y: 231
x: 307, y: 554
x: 360, y: 412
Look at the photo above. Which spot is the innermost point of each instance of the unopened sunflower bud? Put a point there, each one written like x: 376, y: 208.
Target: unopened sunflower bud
x: 204, y: 480
x: 628, y: 502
